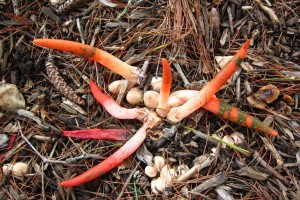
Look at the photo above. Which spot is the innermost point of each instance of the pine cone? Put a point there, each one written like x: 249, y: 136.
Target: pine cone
x: 59, y: 83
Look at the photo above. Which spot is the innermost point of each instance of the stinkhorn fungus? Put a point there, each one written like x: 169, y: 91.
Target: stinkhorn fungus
x: 113, y: 107
x: 178, y: 113
x: 111, y: 62
x: 174, y: 107
x: 112, y: 161
x: 224, y: 110
x: 98, y: 134
x: 150, y: 120
x: 163, y: 106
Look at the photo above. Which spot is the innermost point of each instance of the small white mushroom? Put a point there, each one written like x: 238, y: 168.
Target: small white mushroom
x: 238, y: 138
x: 156, y: 83
x: 151, y: 99
x: 213, y: 151
x: 134, y: 96
x: 54, y: 2
x: 168, y: 173
x: 159, y: 162
x: 17, y: 169
x: 151, y: 171
x: 182, y: 169
x: 115, y: 86
x: 158, y: 185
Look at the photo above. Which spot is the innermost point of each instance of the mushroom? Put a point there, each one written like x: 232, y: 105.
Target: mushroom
x: 176, y: 114
x: 168, y: 173
x: 238, y: 138
x: 151, y: 171
x: 159, y: 162
x: 151, y: 99
x: 156, y: 83
x: 18, y: 169
x: 115, y: 86
x: 158, y: 185
x: 163, y: 107
x: 134, y: 96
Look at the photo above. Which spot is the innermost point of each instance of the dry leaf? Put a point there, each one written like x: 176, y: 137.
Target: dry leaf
x: 254, y: 102
x: 268, y: 93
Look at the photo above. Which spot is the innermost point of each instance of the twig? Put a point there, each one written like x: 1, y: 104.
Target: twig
x: 122, y: 91
x: 73, y: 106
x: 16, y: 7
x: 51, y: 154
x: 269, y: 11
x: 238, y: 89
x: 179, y: 70
x: 15, y: 149
x: 70, y: 4
x: 79, y: 27
x: 223, y: 193
x: 141, y: 78
x: 204, y: 162
x: 128, y: 180
x: 46, y: 160
x: 108, y: 3
x: 212, y: 182
x: 34, y: 149
x: 230, y: 20
x: 202, y: 135
x: 270, y: 169
x: 96, y: 32
x: 32, y: 116
x: 274, y: 152
x: 85, y: 156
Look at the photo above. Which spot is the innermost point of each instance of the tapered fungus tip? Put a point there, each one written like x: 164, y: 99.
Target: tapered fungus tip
x: 164, y: 61
x: 246, y: 44
x: 39, y: 42
x: 274, y: 133
x: 69, y: 183
x: 63, y: 184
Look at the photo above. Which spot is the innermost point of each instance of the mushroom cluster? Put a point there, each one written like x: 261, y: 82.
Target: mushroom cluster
x: 166, y: 174
x: 160, y: 104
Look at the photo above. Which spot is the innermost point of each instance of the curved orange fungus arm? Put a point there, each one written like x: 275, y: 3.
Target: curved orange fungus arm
x: 226, y: 111
x: 106, y: 59
x: 177, y: 114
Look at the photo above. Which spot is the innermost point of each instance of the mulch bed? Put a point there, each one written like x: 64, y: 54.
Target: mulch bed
x: 190, y: 34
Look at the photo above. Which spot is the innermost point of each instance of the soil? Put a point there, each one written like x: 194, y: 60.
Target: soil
x: 190, y: 34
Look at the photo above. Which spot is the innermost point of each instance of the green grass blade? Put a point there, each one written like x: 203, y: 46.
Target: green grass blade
x: 125, y: 10
x: 239, y: 149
